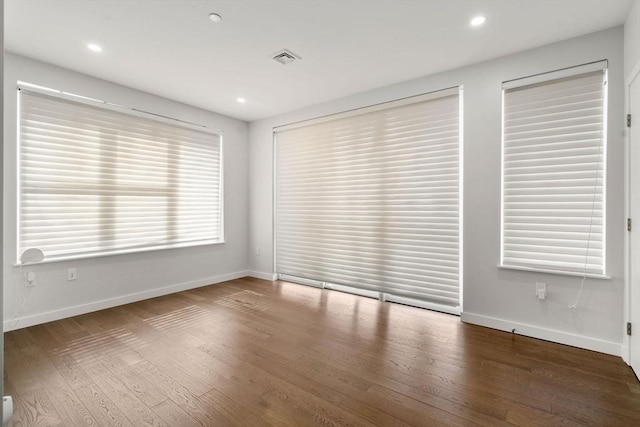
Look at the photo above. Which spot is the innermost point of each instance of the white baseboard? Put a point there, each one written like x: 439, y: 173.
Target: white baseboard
x: 264, y: 276
x: 624, y: 349
x: 50, y: 316
x: 566, y: 338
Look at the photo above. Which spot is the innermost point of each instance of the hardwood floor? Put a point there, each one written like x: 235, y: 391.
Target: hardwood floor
x: 252, y: 353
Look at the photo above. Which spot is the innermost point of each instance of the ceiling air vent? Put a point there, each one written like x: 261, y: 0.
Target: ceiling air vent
x: 285, y: 57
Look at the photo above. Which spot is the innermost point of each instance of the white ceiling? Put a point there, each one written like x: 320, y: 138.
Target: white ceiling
x: 170, y: 47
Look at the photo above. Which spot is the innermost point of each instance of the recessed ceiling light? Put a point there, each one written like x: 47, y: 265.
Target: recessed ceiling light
x: 215, y: 17
x: 94, y: 47
x: 241, y: 100
x: 477, y: 21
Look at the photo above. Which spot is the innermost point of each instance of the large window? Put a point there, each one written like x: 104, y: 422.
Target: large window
x: 96, y: 180
x: 371, y: 199
x: 553, y: 192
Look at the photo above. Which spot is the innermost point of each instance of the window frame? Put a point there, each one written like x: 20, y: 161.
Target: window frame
x: 458, y: 92
x: 541, y: 79
x: 133, y: 113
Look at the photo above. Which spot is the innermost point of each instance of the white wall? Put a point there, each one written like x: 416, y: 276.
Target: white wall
x: 493, y: 297
x: 632, y: 39
x: 112, y: 280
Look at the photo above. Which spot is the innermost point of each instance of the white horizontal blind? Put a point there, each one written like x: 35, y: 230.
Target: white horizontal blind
x: 372, y: 199
x: 553, y: 175
x: 95, y: 181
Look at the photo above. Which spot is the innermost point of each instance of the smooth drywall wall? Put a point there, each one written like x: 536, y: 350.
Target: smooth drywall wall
x: 492, y: 296
x: 632, y: 39
x: 112, y: 280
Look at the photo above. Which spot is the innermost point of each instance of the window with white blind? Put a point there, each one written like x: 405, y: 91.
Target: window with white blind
x: 371, y: 199
x: 96, y: 179
x: 553, y: 180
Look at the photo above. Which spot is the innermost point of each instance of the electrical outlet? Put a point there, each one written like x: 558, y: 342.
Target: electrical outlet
x: 72, y: 274
x: 541, y: 290
x: 257, y: 250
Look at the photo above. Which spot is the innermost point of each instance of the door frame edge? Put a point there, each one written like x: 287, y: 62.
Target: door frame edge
x: 626, y: 348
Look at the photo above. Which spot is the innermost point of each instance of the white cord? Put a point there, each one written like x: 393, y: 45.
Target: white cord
x: 593, y: 208
x: 575, y: 305
x: 20, y: 305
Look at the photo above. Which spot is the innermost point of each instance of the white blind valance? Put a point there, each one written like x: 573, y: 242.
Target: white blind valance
x: 554, y: 147
x: 372, y: 200
x: 95, y: 181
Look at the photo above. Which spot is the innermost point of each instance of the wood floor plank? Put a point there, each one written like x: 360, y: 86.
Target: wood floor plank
x: 101, y: 407
x: 20, y: 338
x: 69, y: 407
x: 34, y: 409
x: 21, y: 377
x: 438, y: 382
x: 174, y: 415
x: 44, y: 339
x: 138, y: 384
x: 305, y: 412
x: 181, y: 395
x: 268, y: 370
x: 235, y: 410
x: 252, y: 352
x: 522, y: 415
x: 123, y: 398
x: 260, y: 373
x: 37, y: 370
x: 73, y: 374
x: 172, y: 362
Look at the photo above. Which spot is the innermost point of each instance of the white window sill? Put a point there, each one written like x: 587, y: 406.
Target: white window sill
x: 562, y: 273
x: 127, y: 251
